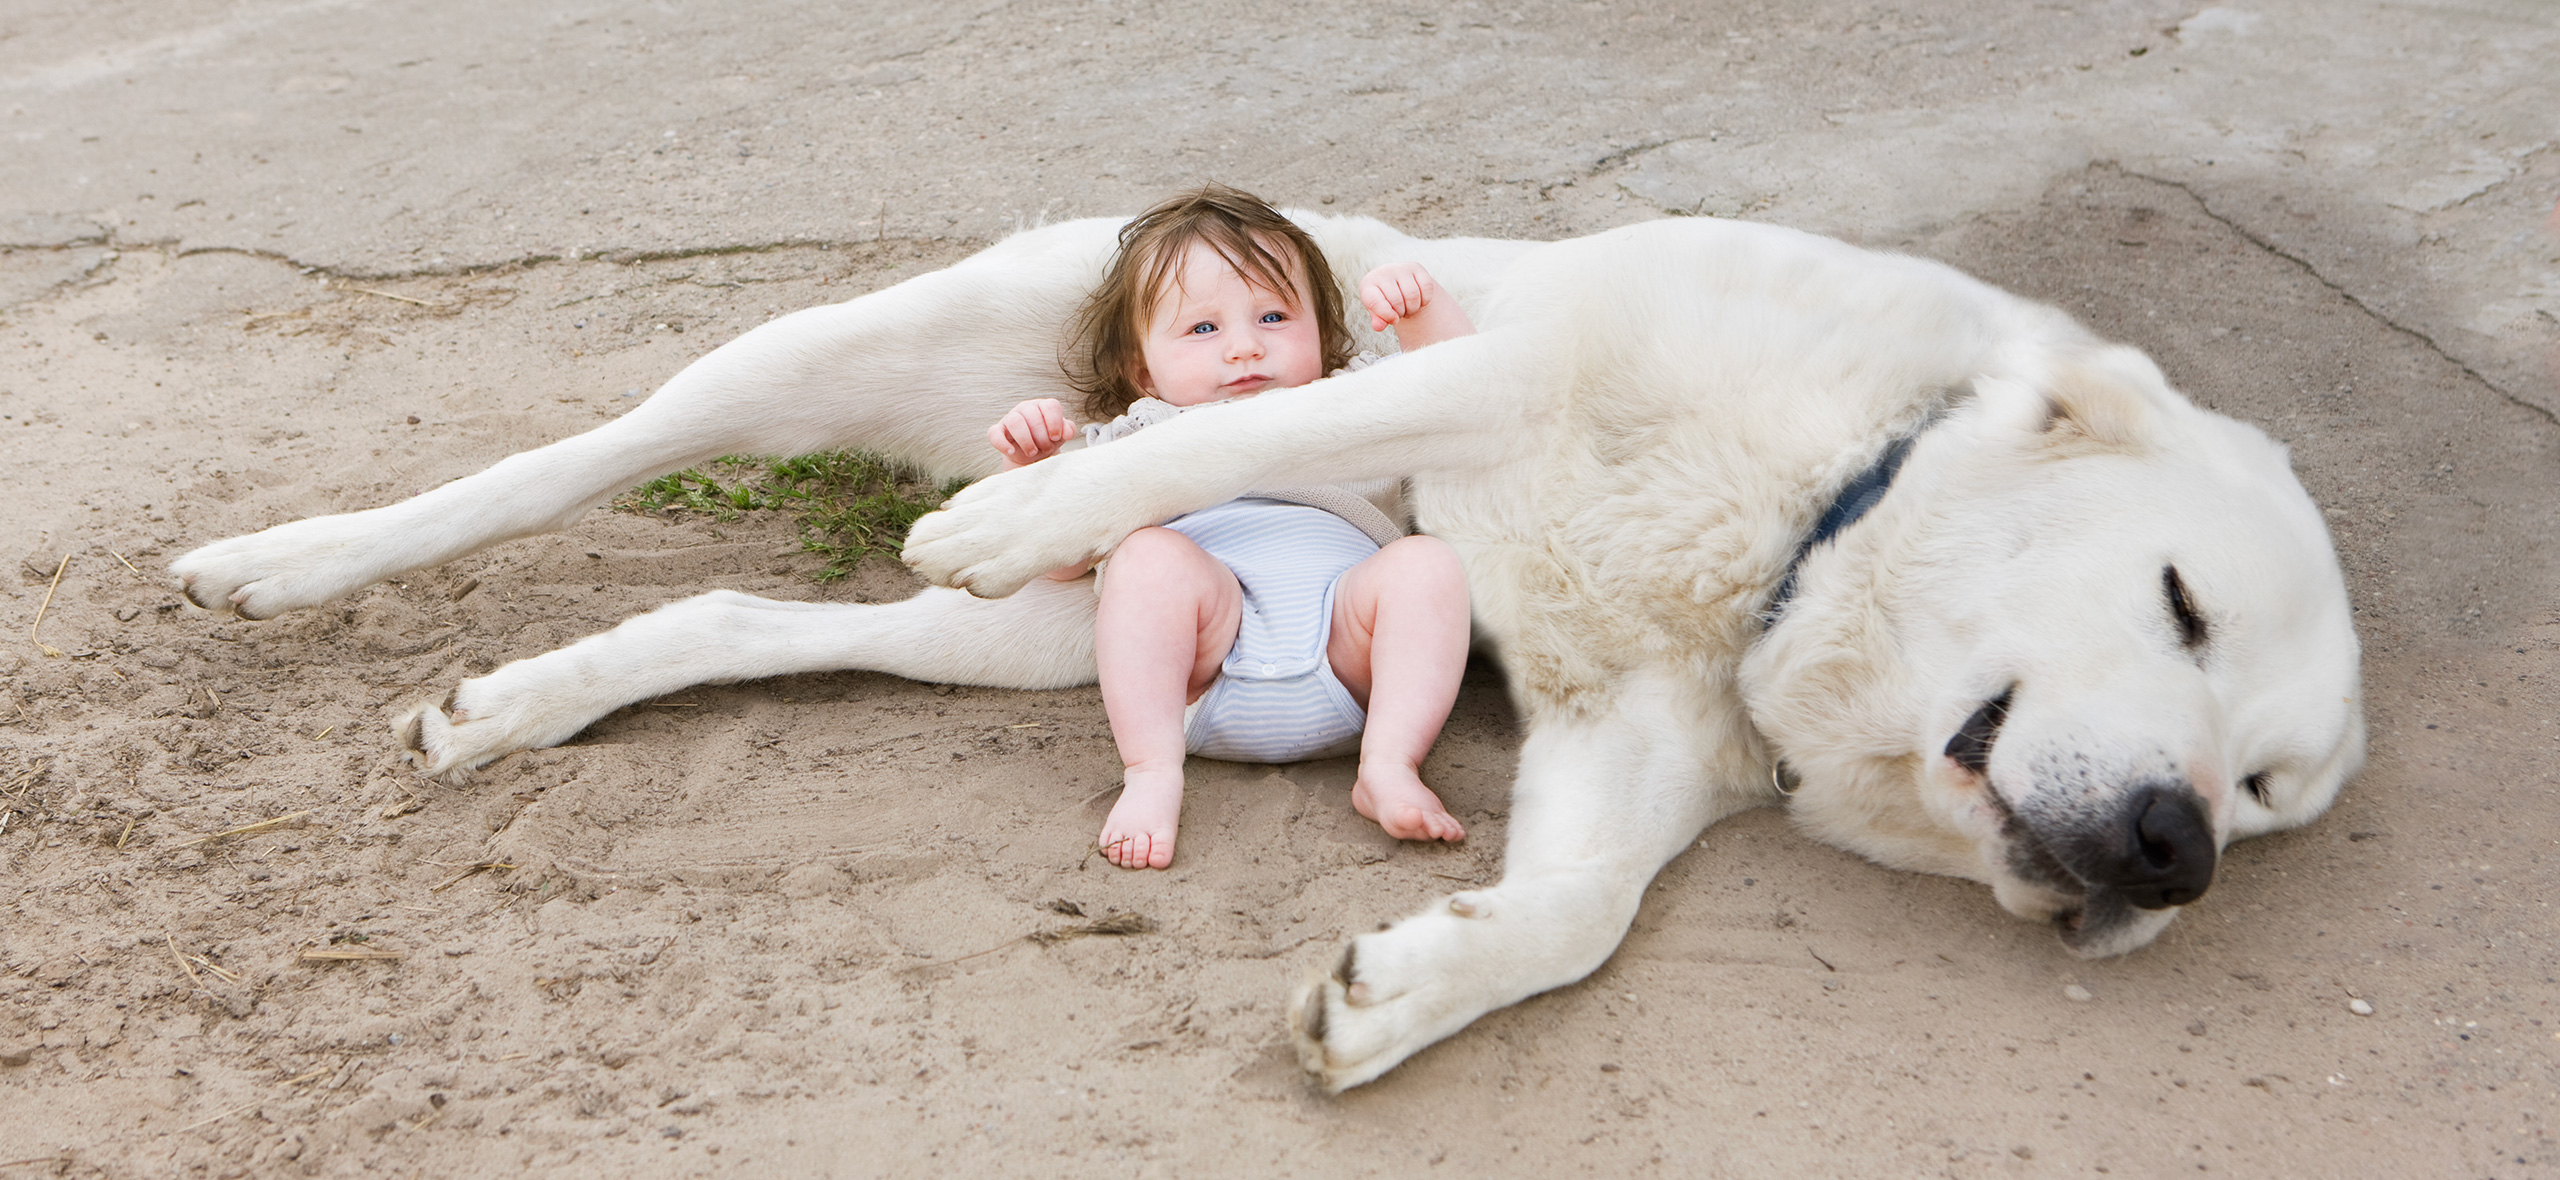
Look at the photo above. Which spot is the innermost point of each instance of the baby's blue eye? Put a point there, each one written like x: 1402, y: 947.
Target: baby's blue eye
x: 1273, y: 317
x: 1203, y: 328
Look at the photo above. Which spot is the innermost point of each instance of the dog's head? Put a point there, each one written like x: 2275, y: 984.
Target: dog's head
x: 2091, y: 636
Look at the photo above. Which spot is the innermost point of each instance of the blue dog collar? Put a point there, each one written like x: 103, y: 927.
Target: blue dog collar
x: 1856, y: 499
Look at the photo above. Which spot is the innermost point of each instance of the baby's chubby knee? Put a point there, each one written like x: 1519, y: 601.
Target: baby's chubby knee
x: 1158, y: 562
x: 1417, y: 563
x: 1422, y: 553
x: 1156, y: 551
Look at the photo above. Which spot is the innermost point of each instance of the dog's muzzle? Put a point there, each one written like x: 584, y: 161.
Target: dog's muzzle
x: 2150, y: 853
x: 2148, y: 847
x: 2155, y: 850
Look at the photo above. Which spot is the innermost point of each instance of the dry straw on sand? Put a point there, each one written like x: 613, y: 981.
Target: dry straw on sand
x: 247, y: 829
x: 457, y: 878
x: 347, y: 954
x: 1114, y: 926
x: 50, y: 652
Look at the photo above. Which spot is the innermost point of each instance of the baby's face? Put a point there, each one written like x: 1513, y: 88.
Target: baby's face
x: 1213, y: 335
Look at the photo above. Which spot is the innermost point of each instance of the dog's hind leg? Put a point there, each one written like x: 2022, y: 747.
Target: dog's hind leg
x: 916, y: 372
x: 1601, y: 804
x: 1040, y: 638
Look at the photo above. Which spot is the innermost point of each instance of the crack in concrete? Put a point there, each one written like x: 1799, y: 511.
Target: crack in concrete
x: 2522, y: 161
x: 173, y: 251
x: 85, y: 278
x: 101, y: 238
x: 1624, y: 154
x: 464, y: 271
x: 2354, y: 300
x: 619, y: 257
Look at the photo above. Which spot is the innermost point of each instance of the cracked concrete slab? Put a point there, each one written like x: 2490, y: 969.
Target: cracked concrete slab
x: 267, y: 258
x: 2402, y: 151
x: 2276, y: 117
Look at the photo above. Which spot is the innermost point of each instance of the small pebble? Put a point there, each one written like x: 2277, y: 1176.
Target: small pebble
x: 2078, y: 994
x: 2360, y: 1008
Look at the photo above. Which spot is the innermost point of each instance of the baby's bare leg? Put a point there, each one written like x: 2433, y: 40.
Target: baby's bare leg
x: 1399, y: 643
x: 1169, y: 613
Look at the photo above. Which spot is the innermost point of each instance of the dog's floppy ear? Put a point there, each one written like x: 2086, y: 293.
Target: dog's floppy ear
x: 2105, y: 399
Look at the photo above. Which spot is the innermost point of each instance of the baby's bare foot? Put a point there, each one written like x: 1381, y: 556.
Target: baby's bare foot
x: 1395, y: 797
x: 1139, y: 833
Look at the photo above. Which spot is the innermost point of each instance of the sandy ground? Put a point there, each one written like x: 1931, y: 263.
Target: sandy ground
x: 266, y: 260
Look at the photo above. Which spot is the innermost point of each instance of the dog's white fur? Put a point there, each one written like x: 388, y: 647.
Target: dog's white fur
x: 1627, y: 457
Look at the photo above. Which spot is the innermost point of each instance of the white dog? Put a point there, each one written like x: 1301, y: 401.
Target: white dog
x: 1745, y: 513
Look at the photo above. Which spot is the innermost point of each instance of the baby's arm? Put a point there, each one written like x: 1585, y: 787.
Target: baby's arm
x: 1028, y: 433
x: 1405, y: 295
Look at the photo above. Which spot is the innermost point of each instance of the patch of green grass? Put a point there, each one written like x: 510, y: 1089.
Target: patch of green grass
x: 850, y: 504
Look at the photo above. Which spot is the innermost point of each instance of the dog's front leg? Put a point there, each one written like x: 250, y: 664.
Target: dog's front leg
x: 1041, y: 638
x: 1600, y: 805
x: 1468, y: 404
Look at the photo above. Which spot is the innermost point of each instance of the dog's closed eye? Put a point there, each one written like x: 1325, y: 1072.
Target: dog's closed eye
x: 2182, y: 609
x: 1971, y: 747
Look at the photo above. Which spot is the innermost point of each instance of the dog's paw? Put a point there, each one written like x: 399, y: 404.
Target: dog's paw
x: 1389, y: 996
x: 442, y: 741
x: 1000, y: 533
x: 287, y: 567
x: 526, y: 705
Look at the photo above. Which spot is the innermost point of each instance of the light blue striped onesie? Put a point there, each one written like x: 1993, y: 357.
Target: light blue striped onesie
x: 1276, y: 698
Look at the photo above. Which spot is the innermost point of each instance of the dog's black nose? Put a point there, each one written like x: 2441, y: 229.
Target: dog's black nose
x: 2162, y: 853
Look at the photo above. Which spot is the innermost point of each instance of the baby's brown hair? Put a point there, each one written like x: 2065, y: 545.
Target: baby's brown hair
x: 1111, y: 328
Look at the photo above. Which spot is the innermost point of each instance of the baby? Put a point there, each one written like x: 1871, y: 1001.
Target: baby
x: 1259, y: 630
